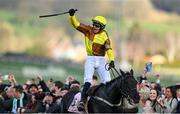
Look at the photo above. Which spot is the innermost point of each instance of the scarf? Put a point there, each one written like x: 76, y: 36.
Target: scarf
x: 14, y: 107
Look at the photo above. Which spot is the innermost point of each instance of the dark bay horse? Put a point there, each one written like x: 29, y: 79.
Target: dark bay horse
x: 117, y: 96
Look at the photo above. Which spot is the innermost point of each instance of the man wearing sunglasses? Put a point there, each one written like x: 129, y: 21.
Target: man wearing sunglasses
x: 97, y: 44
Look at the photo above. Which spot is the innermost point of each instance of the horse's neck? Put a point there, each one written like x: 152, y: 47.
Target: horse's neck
x: 113, y: 92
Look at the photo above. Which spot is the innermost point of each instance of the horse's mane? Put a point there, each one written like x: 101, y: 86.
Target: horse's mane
x: 112, y: 81
x: 93, y: 90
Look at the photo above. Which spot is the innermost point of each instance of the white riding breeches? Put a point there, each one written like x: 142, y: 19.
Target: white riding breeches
x: 96, y: 63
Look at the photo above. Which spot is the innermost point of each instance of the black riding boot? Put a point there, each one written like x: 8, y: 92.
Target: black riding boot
x: 81, y: 106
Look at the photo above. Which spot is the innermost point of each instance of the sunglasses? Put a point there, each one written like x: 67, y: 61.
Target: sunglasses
x: 96, y: 25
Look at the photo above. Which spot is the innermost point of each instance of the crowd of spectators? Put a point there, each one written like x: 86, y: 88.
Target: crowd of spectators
x: 37, y: 96
x: 157, y: 99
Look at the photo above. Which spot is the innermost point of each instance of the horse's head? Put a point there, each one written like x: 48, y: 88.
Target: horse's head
x: 129, y: 87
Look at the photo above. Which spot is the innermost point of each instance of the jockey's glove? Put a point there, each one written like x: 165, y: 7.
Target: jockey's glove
x: 111, y: 65
x: 72, y: 12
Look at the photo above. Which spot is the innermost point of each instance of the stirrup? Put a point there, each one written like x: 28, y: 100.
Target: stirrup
x: 81, y: 106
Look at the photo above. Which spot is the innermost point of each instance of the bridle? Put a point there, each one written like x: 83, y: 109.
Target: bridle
x: 107, y: 102
x: 124, y: 94
x: 127, y: 96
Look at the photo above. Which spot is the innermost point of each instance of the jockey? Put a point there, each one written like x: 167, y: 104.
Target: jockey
x: 97, y: 44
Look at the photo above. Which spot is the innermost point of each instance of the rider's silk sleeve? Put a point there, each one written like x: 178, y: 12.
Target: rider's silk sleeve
x: 79, y: 26
x: 109, y: 50
x: 110, y: 54
x: 74, y: 21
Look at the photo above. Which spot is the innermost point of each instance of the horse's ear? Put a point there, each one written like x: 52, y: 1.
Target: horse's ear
x: 132, y: 72
x: 122, y: 72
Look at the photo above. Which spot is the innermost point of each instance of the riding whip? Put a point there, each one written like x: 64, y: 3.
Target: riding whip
x: 42, y: 16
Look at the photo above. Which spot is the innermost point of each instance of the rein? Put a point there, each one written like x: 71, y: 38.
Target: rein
x: 106, y: 67
x: 107, y: 102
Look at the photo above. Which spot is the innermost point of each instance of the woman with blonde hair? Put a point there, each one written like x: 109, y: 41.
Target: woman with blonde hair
x: 144, y: 95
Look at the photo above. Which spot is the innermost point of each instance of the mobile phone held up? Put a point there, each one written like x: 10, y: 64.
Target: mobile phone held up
x: 149, y: 67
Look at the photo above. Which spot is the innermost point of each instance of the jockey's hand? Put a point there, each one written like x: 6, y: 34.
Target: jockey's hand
x: 72, y: 12
x: 111, y: 65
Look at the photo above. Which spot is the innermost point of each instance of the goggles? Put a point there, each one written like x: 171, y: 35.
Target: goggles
x: 96, y: 25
